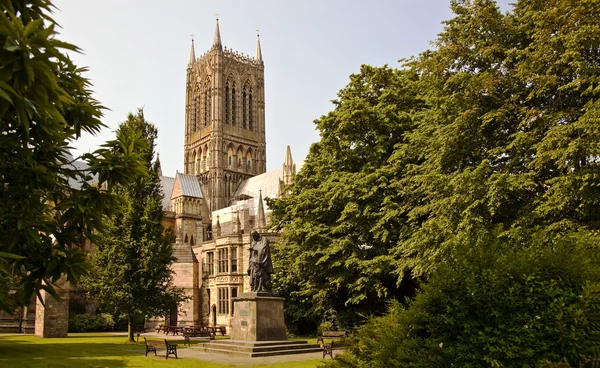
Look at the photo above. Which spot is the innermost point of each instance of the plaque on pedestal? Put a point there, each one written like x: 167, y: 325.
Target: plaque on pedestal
x: 258, y: 316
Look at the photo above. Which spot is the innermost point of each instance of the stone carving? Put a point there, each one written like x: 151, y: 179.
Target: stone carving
x: 260, y: 266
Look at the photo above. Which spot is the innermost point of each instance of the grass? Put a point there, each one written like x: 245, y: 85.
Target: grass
x: 97, y: 350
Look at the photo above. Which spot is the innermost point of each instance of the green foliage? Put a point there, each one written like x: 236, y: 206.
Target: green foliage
x: 491, y: 135
x: 131, y: 269
x: 91, y: 322
x: 493, y: 306
x: 332, y: 217
x: 48, y: 207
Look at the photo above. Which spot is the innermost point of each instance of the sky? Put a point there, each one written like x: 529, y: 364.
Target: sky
x: 137, y: 53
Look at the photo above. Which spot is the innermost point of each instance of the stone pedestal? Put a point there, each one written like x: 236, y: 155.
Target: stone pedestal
x: 258, y: 317
x: 52, y: 320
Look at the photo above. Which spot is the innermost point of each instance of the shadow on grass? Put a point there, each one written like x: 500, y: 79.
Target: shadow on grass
x: 29, y: 351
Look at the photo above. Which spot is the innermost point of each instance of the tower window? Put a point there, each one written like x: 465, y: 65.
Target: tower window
x: 206, y: 105
x: 233, y: 105
x: 227, y: 103
x: 250, y: 122
x: 244, y: 108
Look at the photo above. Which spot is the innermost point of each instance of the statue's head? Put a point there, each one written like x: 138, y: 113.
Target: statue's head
x: 255, y: 235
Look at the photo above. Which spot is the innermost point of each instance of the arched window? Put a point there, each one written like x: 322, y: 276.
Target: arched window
x: 227, y: 103
x: 250, y: 122
x: 193, y: 164
x: 196, y: 112
x: 244, y: 112
x: 230, y: 156
x: 249, y: 160
x: 233, y: 105
x: 206, y: 103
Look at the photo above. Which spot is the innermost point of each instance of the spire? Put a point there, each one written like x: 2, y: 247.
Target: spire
x: 217, y: 40
x: 158, y: 167
x: 218, y: 227
x: 289, y: 168
x: 258, y: 51
x: 261, y: 221
x: 192, y: 54
x: 288, y: 157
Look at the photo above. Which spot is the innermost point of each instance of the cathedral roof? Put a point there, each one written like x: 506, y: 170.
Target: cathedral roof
x: 267, y: 182
x: 166, y: 187
x: 188, y: 185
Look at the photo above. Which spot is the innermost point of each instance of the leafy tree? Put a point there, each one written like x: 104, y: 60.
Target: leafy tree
x: 131, y: 267
x: 49, y: 207
x: 510, y: 139
x: 492, y: 135
x: 332, y: 218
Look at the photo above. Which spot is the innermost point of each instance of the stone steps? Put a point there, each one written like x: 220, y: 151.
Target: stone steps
x: 258, y: 348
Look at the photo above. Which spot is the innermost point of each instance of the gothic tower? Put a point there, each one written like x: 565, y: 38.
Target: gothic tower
x: 224, y: 120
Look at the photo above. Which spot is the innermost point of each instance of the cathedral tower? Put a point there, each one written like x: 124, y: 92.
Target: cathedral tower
x: 224, y: 120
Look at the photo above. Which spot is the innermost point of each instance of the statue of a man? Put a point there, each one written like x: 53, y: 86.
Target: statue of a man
x: 260, y: 266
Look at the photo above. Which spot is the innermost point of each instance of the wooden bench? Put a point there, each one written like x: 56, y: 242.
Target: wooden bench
x: 152, y: 345
x: 328, y: 350
x: 331, y: 334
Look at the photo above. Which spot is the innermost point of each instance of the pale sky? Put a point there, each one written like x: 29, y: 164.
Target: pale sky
x: 137, y: 52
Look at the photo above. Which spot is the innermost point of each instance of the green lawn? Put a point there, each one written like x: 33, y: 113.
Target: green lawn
x: 97, y: 350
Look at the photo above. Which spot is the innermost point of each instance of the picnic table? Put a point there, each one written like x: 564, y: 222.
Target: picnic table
x: 169, y: 329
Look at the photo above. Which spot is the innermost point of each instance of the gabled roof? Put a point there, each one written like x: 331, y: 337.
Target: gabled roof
x: 187, y: 185
x: 166, y: 187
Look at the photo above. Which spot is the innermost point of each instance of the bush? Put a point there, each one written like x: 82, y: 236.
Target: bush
x: 490, y: 308
x: 91, y: 323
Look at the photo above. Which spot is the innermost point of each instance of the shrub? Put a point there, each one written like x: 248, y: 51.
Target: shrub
x: 91, y: 323
x: 490, y: 308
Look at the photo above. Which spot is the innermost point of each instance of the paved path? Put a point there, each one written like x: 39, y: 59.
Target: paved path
x: 192, y: 353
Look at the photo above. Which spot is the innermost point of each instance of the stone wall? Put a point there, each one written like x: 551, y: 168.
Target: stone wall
x: 52, y: 319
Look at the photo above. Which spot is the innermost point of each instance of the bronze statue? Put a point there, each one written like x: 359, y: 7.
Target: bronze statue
x: 260, y: 266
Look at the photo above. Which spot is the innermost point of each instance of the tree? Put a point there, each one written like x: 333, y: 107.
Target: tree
x: 331, y: 219
x: 509, y: 140
x: 498, y: 187
x: 49, y: 207
x: 131, y: 272
x: 499, y: 142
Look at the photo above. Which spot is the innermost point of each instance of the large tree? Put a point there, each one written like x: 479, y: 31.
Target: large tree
x: 502, y: 198
x: 332, y: 217
x: 49, y: 207
x: 494, y: 136
x: 131, y: 273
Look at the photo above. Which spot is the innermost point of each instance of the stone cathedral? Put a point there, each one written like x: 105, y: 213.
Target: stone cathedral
x: 219, y: 198
x: 213, y: 205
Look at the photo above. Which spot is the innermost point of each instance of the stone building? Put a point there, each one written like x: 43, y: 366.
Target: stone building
x: 214, y: 204
x: 219, y: 199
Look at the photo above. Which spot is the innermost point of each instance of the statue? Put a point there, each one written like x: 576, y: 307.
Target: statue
x: 260, y: 266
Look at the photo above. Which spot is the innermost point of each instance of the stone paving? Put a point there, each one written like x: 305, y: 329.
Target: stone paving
x: 191, y: 353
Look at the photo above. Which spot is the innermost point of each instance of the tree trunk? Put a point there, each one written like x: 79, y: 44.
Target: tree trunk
x: 130, y: 329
